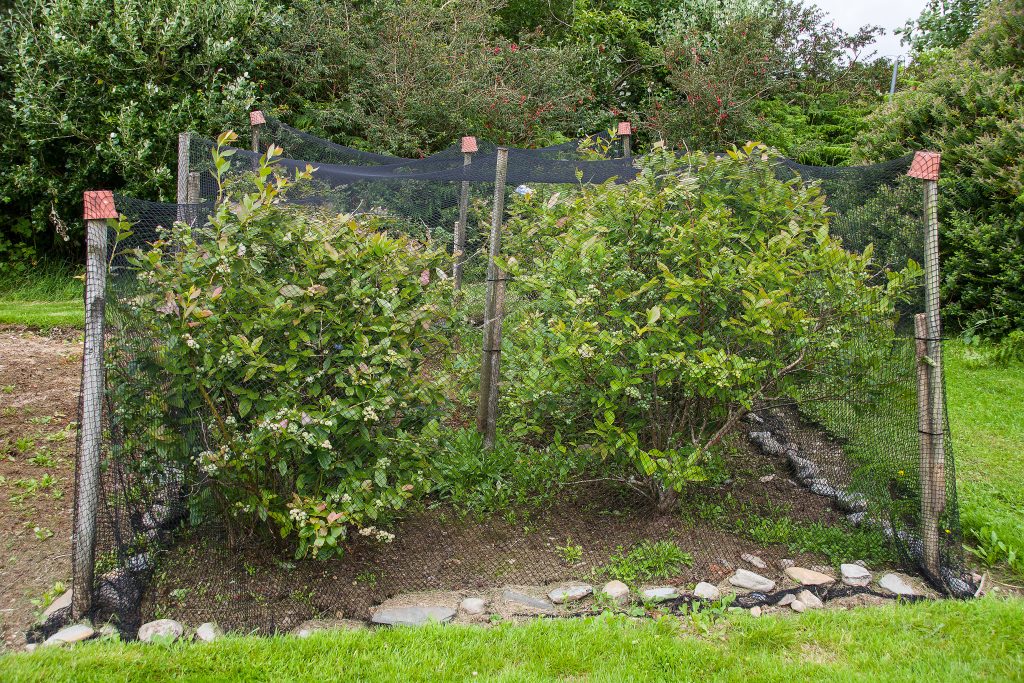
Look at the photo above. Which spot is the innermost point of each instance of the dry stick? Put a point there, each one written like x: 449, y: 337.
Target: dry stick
x: 929, y: 530
x: 184, y: 160
x: 98, y: 207
x: 493, y: 306
x: 459, y: 242
x: 935, y: 490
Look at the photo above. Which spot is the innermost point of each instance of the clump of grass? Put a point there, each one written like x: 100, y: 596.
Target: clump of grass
x: 43, y: 281
x: 842, y: 543
x: 648, y: 560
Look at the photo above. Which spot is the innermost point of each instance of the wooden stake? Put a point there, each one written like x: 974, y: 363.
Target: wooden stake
x: 929, y: 529
x: 626, y: 132
x: 256, y: 122
x: 494, y: 310
x: 99, y: 206
x: 469, y: 147
x: 184, y: 160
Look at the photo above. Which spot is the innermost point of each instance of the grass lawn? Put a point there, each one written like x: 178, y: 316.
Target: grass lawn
x: 939, y: 641
x: 988, y: 439
x: 50, y: 295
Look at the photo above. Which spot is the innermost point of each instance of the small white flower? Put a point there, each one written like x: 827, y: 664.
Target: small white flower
x: 240, y: 252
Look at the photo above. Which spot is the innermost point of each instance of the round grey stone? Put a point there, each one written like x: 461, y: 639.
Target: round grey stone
x: 167, y: 630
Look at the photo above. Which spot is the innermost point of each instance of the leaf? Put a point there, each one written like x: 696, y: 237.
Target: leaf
x: 244, y: 406
x: 653, y: 315
x: 292, y: 291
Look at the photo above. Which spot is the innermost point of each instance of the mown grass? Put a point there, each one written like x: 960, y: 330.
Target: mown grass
x: 46, y: 296
x: 935, y: 641
x: 985, y: 413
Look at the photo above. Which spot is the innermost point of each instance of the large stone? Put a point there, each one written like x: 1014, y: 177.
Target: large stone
x: 659, y: 593
x: 855, y: 575
x: 852, y: 502
x: 809, y: 577
x: 798, y: 606
x: 616, y: 591
x: 158, y: 517
x: 786, y: 599
x: 62, y: 601
x: 755, y: 611
x: 71, y: 634
x: 753, y: 560
x: 209, y: 632
x: 526, y: 600
x: 825, y: 490
x: 894, y: 583
x: 166, y: 630
x: 412, y: 616
x: 308, y: 628
x: 570, y: 593
x: 706, y: 591
x: 769, y: 444
x: 810, y: 600
x: 473, y: 605
x: 856, y: 518
x: 751, y: 581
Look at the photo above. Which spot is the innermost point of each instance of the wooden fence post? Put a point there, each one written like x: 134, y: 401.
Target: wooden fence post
x: 256, y: 122
x: 469, y: 148
x: 626, y: 133
x: 933, y: 483
x: 184, y: 162
x: 98, y: 207
x: 494, y: 311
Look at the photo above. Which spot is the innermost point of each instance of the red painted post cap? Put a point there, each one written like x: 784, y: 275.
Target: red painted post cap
x: 469, y: 144
x: 625, y: 128
x: 925, y: 166
x: 99, y: 205
x: 256, y: 118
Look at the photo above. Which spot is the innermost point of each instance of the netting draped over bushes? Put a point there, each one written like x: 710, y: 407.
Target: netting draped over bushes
x: 291, y: 378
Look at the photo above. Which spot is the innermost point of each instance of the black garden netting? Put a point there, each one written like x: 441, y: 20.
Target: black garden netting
x: 844, y: 450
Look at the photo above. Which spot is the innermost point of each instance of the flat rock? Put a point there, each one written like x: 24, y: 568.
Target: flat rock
x: 786, y: 564
x: 526, y: 600
x: 751, y: 581
x: 809, y: 577
x: 62, y: 601
x: 786, y: 599
x: 810, y: 600
x: 473, y: 605
x: 659, y: 593
x: 855, y: 575
x: 894, y: 583
x: 308, y: 628
x: 766, y: 478
x: 412, y: 616
x: 755, y: 611
x: 706, y: 591
x: 753, y: 560
x: 209, y: 632
x: 856, y: 518
x: 852, y: 502
x: 616, y: 590
x: 570, y: 593
x: 71, y: 634
x: 825, y: 490
x: 798, y: 606
x: 161, y: 629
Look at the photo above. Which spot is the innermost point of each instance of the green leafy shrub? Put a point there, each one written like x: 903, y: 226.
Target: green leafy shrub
x: 279, y: 354
x: 648, y: 560
x: 664, y: 308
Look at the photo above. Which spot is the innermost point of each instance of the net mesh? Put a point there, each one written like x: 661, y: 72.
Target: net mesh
x: 852, y: 449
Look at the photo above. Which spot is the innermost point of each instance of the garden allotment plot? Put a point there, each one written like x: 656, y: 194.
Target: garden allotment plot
x: 708, y: 367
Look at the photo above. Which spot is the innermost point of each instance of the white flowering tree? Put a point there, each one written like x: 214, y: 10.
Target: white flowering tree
x: 277, y: 353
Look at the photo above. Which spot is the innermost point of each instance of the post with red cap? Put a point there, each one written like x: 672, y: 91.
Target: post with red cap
x: 256, y: 122
x: 931, y: 415
x: 99, y: 206
x: 469, y: 148
x: 626, y: 133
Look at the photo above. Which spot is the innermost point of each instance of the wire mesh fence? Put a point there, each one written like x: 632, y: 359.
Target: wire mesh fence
x: 260, y: 343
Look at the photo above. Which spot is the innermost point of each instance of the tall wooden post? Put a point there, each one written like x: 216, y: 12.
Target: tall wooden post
x: 626, y: 133
x: 99, y: 206
x: 494, y: 311
x: 469, y: 148
x: 184, y: 162
x: 256, y: 122
x: 933, y: 483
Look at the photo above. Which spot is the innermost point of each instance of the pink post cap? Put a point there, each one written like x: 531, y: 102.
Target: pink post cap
x: 256, y: 118
x: 469, y: 144
x: 99, y: 205
x: 625, y: 128
x: 925, y: 166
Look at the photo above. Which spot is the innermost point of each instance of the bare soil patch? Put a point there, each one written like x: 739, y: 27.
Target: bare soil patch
x: 39, y: 387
